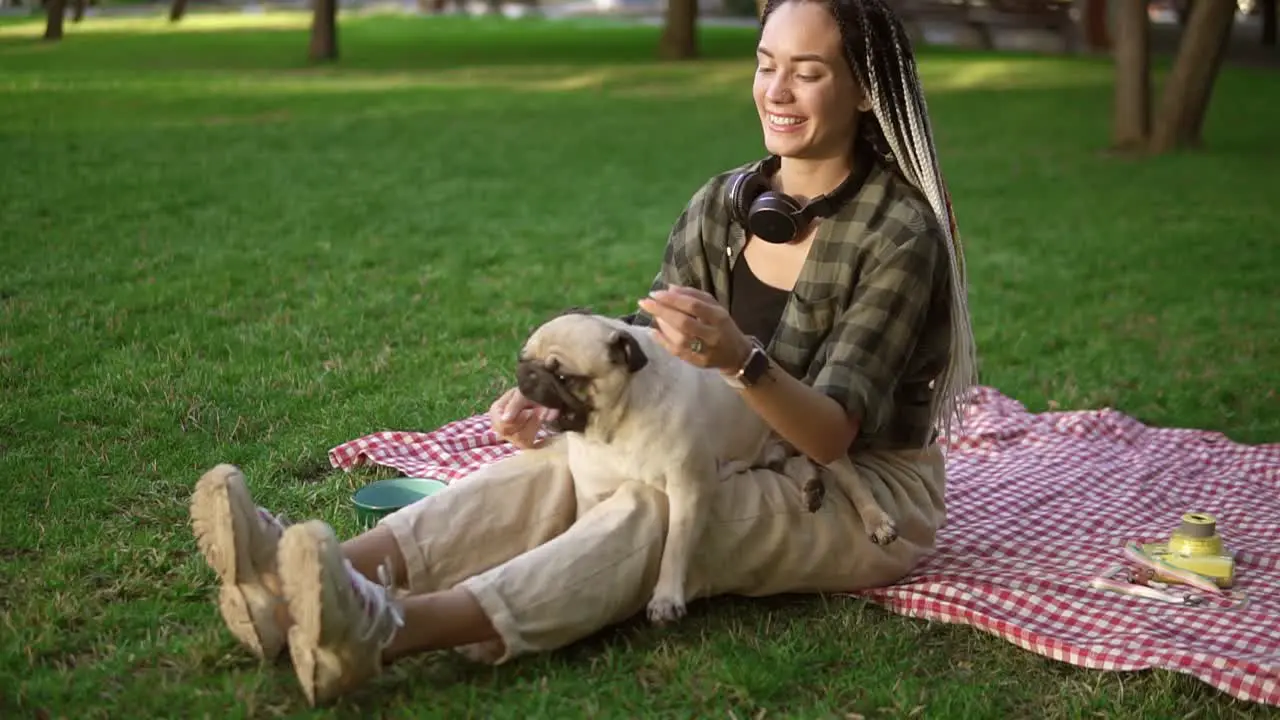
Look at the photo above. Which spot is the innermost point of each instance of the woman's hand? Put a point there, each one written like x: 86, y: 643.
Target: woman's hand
x: 814, y: 423
x: 517, y: 419
x: 692, y: 325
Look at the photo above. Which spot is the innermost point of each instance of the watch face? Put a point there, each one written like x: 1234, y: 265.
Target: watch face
x: 757, y: 364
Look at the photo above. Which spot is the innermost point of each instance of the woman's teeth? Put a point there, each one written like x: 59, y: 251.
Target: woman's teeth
x: 784, y: 120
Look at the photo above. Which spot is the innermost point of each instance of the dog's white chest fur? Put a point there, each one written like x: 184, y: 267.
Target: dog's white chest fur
x: 681, y: 426
x: 599, y: 469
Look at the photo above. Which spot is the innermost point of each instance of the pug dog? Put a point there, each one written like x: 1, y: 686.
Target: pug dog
x: 630, y: 410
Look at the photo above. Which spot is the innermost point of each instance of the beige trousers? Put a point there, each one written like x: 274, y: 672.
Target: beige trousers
x: 549, y: 571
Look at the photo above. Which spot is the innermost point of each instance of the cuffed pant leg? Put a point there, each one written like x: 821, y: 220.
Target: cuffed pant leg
x: 758, y: 541
x: 600, y: 571
x: 480, y: 521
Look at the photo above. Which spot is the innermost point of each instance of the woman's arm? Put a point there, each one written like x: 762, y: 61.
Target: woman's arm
x: 813, y: 422
x: 861, y: 359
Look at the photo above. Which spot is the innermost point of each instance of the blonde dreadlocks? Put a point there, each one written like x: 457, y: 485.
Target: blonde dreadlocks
x: 879, y: 53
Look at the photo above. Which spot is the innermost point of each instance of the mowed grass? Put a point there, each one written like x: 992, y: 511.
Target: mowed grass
x: 213, y: 252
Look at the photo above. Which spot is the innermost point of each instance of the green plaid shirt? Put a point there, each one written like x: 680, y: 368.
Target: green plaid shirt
x: 867, y: 323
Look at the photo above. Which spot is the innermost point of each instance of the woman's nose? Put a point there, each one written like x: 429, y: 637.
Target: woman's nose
x: 779, y: 90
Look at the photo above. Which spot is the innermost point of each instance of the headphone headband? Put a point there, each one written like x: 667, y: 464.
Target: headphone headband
x: 776, y: 217
x: 827, y: 204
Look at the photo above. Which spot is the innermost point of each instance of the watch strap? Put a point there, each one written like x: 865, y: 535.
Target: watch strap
x: 753, y: 368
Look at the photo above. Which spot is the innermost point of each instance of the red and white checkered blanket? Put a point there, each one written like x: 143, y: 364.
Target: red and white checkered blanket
x: 1037, y: 505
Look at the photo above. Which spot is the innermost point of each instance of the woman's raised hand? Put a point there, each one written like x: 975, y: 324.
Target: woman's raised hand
x: 694, y: 326
x: 516, y: 418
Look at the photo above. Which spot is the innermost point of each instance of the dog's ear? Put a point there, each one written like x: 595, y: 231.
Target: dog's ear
x: 625, y: 350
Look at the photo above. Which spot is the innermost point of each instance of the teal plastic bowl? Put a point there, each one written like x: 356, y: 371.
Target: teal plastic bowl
x: 379, y: 499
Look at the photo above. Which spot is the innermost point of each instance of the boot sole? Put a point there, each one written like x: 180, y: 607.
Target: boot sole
x: 221, y: 513
x: 302, y: 575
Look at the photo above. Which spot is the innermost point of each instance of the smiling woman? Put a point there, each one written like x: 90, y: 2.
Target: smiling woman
x: 809, y: 102
x: 823, y: 283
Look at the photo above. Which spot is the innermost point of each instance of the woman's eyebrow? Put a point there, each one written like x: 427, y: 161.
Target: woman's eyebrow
x: 803, y: 57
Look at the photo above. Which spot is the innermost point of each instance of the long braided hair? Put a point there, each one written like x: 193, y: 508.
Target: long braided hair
x: 878, y: 50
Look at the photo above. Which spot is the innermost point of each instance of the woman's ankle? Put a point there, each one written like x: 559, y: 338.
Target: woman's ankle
x: 440, y: 621
x: 374, y: 548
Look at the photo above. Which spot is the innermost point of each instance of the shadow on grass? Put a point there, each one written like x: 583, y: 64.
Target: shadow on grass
x: 382, y: 42
x: 258, y: 55
x: 213, y: 40
x: 398, y: 42
x: 1033, y: 109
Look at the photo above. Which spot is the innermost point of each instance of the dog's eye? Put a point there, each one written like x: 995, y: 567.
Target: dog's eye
x: 562, y: 378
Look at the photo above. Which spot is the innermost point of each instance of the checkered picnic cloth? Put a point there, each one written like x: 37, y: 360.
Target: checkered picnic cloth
x: 1038, y: 504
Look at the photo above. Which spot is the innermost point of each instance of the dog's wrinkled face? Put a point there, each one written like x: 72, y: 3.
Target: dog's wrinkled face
x: 581, y: 365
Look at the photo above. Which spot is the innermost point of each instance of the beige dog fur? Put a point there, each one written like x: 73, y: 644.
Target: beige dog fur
x: 630, y: 410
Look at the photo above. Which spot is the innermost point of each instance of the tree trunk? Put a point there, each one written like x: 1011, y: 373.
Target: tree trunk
x: 1197, y: 120
x: 177, y: 9
x: 1269, y: 22
x: 1132, y: 101
x: 680, y: 31
x: 1190, y: 83
x: 54, y: 12
x: 77, y: 10
x: 1095, y: 25
x: 324, y: 31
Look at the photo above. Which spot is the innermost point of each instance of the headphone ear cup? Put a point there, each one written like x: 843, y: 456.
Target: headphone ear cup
x: 742, y: 192
x: 774, y: 217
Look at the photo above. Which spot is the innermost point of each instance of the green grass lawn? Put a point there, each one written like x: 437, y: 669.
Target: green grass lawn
x: 211, y: 252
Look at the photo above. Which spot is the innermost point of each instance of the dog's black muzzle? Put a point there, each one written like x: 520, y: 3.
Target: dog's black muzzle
x: 549, y: 389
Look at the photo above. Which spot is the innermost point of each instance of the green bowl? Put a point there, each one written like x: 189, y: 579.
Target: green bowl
x: 379, y: 499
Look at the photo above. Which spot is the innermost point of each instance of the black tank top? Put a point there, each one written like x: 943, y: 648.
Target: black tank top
x: 756, y: 307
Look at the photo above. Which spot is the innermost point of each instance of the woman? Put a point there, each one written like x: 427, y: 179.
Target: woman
x: 863, y: 315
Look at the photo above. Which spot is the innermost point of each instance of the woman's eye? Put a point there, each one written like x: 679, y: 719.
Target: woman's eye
x: 808, y: 78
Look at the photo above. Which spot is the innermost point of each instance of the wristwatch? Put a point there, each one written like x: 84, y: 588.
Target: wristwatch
x: 756, y: 365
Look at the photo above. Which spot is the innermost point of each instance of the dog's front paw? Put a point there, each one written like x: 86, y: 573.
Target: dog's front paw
x: 665, y: 608
x: 883, y: 531
x: 814, y: 493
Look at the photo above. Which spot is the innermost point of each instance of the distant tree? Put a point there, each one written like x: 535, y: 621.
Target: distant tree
x: 54, y: 11
x: 1131, y: 122
x: 324, y: 31
x: 1185, y: 96
x: 1268, y: 10
x: 680, y: 31
x: 177, y: 9
x: 1189, y: 86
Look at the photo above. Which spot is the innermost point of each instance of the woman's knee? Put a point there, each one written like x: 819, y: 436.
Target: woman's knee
x: 600, y: 571
x: 486, y: 518
x: 637, y: 502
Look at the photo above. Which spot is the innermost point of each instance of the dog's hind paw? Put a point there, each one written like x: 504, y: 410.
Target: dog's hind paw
x: 884, y: 531
x: 663, y: 610
x: 814, y: 493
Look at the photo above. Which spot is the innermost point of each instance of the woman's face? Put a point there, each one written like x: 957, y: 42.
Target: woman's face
x: 807, y: 98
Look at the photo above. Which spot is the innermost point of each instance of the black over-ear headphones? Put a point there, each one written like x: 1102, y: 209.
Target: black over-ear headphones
x: 776, y: 217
